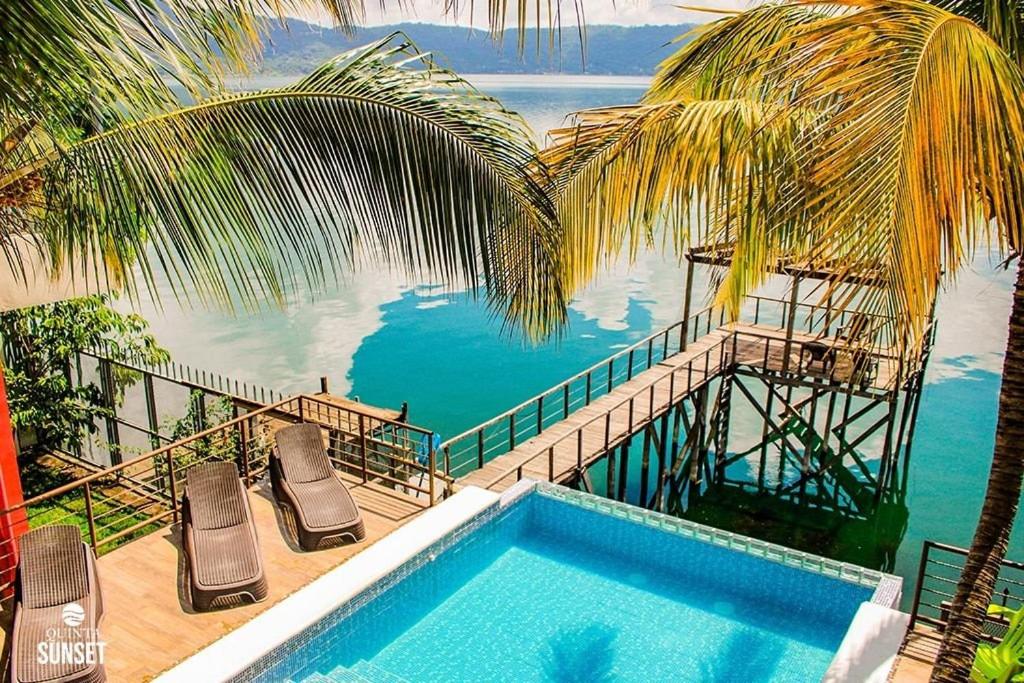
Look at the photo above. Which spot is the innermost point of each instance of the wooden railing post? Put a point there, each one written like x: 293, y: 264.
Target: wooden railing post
x: 243, y: 450
x: 565, y: 400
x: 151, y: 414
x: 686, y: 306
x: 512, y: 431
x: 431, y: 465
x: 925, y: 547
x: 363, y: 459
x: 172, y: 485
x: 89, y: 516
x: 480, y: 448
x: 540, y: 413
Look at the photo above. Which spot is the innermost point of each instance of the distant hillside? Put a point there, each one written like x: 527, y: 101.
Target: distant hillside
x: 611, y: 50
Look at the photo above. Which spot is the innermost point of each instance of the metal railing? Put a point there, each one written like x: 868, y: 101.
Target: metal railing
x: 937, y: 577
x: 129, y: 420
x: 641, y: 409
x: 817, y: 319
x: 143, y: 494
x: 473, y: 448
x: 747, y: 348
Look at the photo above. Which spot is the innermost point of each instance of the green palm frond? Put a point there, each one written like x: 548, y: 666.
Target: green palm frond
x: 83, y: 62
x: 379, y: 156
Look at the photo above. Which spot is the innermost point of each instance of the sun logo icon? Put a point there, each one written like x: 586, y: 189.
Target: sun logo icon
x: 73, y: 615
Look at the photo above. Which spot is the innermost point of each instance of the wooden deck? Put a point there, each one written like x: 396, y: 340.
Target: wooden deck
x: 917, y: 656
x: 557, y: 452
x: 149, y: 624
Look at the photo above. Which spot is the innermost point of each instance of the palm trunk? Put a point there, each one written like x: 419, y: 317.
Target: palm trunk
x: 974, y: 591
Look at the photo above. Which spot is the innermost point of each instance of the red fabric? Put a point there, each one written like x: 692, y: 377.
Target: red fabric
x: 14, y: 524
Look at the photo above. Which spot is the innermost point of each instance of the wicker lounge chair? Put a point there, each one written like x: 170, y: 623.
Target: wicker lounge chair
x: 58, y: 602
x: 303, y: 480
x: 219, y: 537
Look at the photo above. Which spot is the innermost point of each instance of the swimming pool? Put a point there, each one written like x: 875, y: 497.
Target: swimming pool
x: 556, y: 585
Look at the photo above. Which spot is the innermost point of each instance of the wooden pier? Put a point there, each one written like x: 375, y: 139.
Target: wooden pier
x: 566, y: 448
x: 558, y: 453
x: 836, y: 407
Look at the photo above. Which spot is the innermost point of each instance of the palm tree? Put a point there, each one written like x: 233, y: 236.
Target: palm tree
x: 378, y: 156
x: 862, y: 134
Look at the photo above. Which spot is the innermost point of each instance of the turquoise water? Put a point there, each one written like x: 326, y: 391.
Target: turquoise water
x: 549, y: 591
x: 387, y: 340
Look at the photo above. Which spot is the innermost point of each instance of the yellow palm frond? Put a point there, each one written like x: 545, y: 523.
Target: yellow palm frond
x: 921, y: 154
x: 681, y: 169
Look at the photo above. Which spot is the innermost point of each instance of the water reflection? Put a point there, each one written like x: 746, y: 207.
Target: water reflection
x: 581, y: 655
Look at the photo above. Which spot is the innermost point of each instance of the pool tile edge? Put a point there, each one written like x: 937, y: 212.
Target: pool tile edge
x: 238, y: 650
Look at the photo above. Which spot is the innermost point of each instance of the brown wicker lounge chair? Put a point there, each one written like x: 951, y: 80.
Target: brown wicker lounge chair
x: 56, y: 571
x: 219, y: 537
x: 303, y: 479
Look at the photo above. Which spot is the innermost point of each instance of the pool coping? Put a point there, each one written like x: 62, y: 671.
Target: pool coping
x: 243, y: 648
x: 255, y: 647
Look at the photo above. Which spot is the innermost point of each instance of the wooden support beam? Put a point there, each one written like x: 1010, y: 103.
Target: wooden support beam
x: 645, y: 464
x: 624, y: 470
x: 768, y: 419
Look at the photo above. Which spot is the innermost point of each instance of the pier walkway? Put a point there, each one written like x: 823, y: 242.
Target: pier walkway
x: 585, y: 429
x: 562, y: 450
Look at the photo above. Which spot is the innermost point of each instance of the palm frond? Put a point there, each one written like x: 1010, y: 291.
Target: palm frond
x: 1001, y: 19
x: 379, y: 156
x: 687, y: 169
x: 908, y: 177
x: 733, y: 57
x: 83, y: 62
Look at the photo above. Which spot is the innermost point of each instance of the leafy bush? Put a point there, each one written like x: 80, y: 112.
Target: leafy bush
x: 39, y: 345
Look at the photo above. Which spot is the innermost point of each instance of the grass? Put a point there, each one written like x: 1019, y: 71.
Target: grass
x: 109, y: 499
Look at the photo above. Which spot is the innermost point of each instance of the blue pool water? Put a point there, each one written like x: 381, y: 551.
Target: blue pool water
x: 548, y: 590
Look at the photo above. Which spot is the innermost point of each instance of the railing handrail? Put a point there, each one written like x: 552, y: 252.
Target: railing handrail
x: 579, y: 375
x: 926, y: 547
x: 385, y: 420
x: 184, y: 442
x: 817, y: 306
x: 632, y: 397
x: 184, y: 377
x: 149, y: 455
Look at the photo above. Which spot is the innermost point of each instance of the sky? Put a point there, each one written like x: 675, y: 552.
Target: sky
x: 595, y: 12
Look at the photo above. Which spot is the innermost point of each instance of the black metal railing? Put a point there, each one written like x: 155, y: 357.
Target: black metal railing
x: 937, y: 576
x: 471, y: 449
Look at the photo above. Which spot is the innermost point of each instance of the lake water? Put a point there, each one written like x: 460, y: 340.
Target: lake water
x: 387, y: 340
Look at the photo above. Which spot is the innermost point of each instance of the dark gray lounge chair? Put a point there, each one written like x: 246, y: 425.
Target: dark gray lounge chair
x: 303, y: 479
x: 219, y: 537
x: 56, y: 570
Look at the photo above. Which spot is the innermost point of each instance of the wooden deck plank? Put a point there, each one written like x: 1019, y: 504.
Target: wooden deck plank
x: 150, y: 625
x: 917, y: 656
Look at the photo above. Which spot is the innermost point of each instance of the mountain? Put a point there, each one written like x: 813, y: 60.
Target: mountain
x: 611, y: 50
